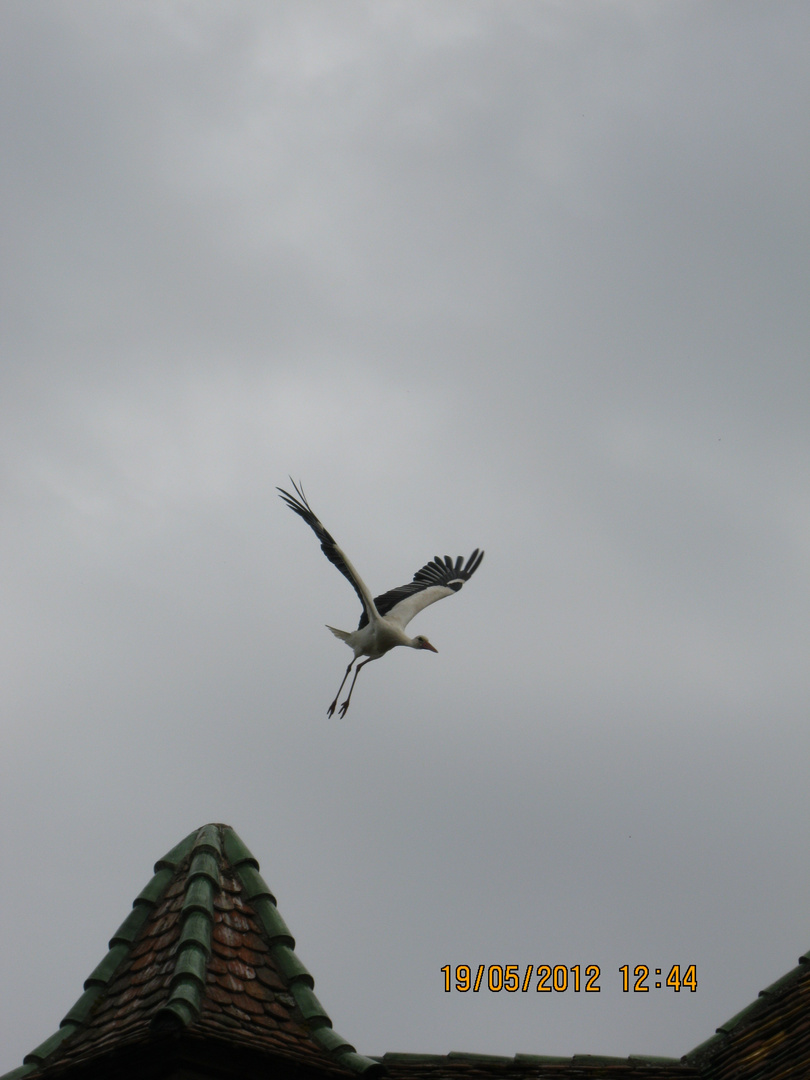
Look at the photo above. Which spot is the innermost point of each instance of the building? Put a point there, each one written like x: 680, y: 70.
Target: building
x: 202, y: 981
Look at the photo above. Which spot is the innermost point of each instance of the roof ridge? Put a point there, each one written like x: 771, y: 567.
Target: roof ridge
x: 207, y: 849
x: 526, y: 1060
x: 196, y: 925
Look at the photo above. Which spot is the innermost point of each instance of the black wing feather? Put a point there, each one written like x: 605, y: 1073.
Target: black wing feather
x: 328, y: 543
x: 437, y: 572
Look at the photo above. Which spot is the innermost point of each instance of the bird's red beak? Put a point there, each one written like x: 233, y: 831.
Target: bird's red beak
x: 427, y: 645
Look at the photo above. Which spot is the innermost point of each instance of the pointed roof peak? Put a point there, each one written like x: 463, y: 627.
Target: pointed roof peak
x: 205, y: 957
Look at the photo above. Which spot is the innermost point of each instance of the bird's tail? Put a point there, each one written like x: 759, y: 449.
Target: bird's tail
x: 344, y: 635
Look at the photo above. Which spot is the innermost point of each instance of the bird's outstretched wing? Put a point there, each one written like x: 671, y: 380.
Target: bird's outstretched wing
x: 436, y: 579
x: 328, y: 545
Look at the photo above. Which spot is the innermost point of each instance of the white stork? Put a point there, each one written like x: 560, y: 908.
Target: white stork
x: 382, y: 624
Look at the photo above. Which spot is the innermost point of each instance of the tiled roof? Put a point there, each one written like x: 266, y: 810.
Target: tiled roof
x: 202, y: 978
x: 204, y: 954
x: 457, y: 1066
x: 768, y: 1040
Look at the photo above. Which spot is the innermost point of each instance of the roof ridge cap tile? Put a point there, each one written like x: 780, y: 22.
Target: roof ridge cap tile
x: 479, y: 1059
x: 172, y: 859
x: 531, y: 1060
x: 236, y: 850
x: 405, y: 1057
x: 254, y: 884
x: 654, y: 1059
x: 210, y: 836
x: 187, y: 986
x: 290, y: 966
x: 278, y: 933
x: 541, y: 1059
x: 598, y: 1059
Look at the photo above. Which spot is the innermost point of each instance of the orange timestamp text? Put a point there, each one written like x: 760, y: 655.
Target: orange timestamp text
x: 551, y: 978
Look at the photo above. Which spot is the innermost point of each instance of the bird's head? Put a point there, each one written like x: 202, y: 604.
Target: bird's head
x: 421, y: 642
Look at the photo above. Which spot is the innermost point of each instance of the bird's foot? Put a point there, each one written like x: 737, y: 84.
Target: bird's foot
x: 332, y: 708
x: 344, y: 708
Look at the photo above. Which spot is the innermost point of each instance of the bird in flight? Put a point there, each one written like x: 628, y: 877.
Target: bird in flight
x: 382, y: 624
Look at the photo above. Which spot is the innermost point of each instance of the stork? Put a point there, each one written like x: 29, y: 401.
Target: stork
x: 384, y: 618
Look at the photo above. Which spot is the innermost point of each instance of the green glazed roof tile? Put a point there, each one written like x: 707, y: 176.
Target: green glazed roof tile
x: 188, y: 991
x: 290, y: 966
x: 199, y: 896
x: 192, y: 963
x: 738, y: 1018
x: 209, y: 837
x: 398, y: 1057
x: 237, y: 852
x: 172, y: 859
x: 308, y: 1003
x: 277, y: 930
x: 597, y: 1059
x: 78, y: 1014
x: 254, y: 883
x: 783, y: 983
x: 330, y: 1040
x: 197, y: 931
x: 359, y: 1064
x: 478, y: 1059
x: 177, y: 1014
x: 196, y: 918
x: 46, y: 1048
x: 204, y: 864
x: 653, y: 1059
x: 702, y: 1048
x: 100, y: 975
x: 540, y: 1059
x: 130, y: 927
x: 151, y: 893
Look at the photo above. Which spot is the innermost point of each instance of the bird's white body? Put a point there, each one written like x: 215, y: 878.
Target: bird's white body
x: 377, y: 637
x: 382, y: 630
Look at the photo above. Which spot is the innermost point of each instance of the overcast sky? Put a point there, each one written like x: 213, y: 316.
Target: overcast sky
x: 525, y: 276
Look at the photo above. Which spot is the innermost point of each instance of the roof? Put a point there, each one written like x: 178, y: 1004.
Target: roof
x: 202, y: 979
x: 458, y: 1066
x: 769, y: 1039
x: 204, y: 958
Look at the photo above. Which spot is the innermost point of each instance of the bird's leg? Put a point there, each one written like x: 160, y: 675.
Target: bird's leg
x: 333, y: 706
x: 345, y: 706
